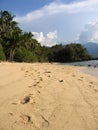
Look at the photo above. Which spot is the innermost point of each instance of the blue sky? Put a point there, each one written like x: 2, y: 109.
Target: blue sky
x: 53, y: 21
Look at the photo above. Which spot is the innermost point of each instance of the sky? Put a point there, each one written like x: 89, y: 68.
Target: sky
x: 56, y: 21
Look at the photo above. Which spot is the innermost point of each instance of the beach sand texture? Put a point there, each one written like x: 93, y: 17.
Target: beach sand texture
x: 47, y: 97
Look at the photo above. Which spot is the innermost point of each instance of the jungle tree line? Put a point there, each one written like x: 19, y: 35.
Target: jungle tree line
x: 16, y: 45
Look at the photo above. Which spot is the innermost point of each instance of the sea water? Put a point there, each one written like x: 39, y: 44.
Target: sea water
x: 93, y: 63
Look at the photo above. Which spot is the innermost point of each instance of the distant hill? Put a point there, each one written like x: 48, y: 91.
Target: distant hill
x: 92, y: 48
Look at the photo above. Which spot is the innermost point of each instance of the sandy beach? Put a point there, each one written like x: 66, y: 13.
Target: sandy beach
x: 91, y: 71
x: 43, y: 96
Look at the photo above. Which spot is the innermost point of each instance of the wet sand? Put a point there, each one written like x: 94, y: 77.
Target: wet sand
x: 91, y: 71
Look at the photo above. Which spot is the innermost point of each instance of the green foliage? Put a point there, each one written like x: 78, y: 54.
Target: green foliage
x: 2, y: 55
x: 23, y: 55
x: 21, y: 47
x: 41, y: 53
x: 53, y: 53
x: 68, y: 53
x: 9, y: 32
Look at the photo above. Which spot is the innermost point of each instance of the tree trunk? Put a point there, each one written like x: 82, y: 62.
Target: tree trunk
x: 12, y: 54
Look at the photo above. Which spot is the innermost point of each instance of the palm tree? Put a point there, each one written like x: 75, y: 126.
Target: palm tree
x: 26, y: 40
x: 6, y: 22
x: 14, y: 42
x: 9, y: 34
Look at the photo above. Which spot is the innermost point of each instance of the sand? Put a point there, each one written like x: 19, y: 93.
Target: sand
x: 91, y: 71
x: 47, y: 97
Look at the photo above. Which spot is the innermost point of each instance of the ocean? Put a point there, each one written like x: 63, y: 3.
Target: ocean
x: 93, y: 63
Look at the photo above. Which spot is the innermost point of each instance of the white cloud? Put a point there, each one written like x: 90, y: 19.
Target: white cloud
x: 57, y: 7
x: 48, y: 40
x: 52, y: 35
x: 67, y: 19
x: 90, y: 33
x: 39, y: 36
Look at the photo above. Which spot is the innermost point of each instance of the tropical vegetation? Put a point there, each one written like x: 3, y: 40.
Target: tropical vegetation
x: 19, y: 46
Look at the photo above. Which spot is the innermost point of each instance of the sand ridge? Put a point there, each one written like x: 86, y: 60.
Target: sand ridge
x: 43, y: 96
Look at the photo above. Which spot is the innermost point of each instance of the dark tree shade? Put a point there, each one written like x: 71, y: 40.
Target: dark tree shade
x: 2, y: 55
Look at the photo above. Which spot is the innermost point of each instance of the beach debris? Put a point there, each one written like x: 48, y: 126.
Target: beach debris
x: 89, y: 65
x: 25, y: 100
x: 61, y: 80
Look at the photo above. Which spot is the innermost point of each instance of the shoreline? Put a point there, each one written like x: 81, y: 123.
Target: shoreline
x: 90, y: 70
x: 44, y: 96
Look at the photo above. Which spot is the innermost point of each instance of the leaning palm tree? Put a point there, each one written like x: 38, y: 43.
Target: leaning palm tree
x: 9, y: 34
x: 13, y: 42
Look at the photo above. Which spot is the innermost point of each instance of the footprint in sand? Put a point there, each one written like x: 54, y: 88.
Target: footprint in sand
x: 81, y: 78
x: 96, y: 90
x: 26, y: 118
x: 91, y: 84
x: 46, y: 122
x: 30, y: 86
x: 22, y: 68
x: 41, y: 79
x: 11, y: 113
x: 73, y: 75
x: 48, y: 72
x: 38, y: 91
x: 27, y: 73
x: 37, y: 82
